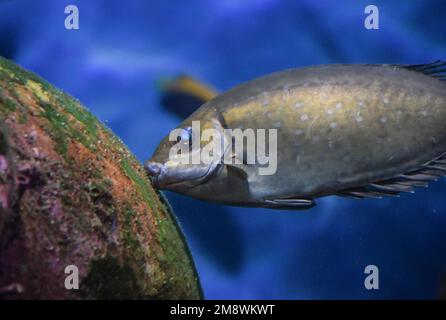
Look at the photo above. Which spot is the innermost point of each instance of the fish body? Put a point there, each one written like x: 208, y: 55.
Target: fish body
x: 354, y: 130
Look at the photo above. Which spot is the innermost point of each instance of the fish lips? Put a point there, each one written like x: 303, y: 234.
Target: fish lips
x: 157, y: 174
x: 165, y: 178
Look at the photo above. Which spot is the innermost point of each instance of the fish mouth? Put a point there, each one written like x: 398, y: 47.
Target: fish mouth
x: 164, y: 178
x: 153, y: 170
x: 157, y: 174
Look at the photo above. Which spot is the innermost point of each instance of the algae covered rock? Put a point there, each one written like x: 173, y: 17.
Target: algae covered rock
x: 71, y: 194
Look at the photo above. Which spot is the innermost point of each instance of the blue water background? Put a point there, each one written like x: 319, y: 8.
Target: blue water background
x: 113, y: 63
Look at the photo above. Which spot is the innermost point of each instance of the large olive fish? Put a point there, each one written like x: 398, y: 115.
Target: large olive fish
x: 350, y: 130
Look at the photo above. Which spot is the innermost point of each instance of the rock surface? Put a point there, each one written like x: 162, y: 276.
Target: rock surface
x: 72, y: 194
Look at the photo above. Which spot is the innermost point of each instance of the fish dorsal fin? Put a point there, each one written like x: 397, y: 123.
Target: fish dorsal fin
x: 406, y: 182
x: 436, y: 69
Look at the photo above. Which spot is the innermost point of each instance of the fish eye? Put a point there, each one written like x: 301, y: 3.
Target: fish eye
x: 186, y: 135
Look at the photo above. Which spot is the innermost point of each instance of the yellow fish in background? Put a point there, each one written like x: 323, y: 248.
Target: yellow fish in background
x: 183, y: 95
x: 350, y: 130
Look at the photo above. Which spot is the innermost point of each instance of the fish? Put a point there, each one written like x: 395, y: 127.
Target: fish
x: 182, y: 95
x: 351, y: 130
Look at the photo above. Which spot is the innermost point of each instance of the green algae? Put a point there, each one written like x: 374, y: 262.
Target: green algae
x: 164, y: 268
x: 109, y: 279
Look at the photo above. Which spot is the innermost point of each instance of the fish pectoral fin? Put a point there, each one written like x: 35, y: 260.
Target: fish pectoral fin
x: 289, y: 204
x: 236, y: 172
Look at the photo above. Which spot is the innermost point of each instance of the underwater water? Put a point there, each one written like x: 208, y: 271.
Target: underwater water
x: 113, y: 65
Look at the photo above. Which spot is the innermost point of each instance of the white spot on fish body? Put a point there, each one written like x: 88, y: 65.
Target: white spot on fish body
x: 383, y: 119
x: 286, y: 96
x: 359, y: 118
x: 304, y: 117
x: 298, y: 105
x: 265, y: 99
x: 423, y: 113
x: 360, y: 104
x: 338, y: 105
x: 385, y: 100
x: 329, y: 111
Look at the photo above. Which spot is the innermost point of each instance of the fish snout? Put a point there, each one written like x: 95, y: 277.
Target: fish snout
x: 153, y: 169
